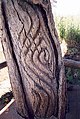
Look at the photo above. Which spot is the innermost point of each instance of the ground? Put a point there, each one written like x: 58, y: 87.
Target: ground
x: 73, y: 103
x: 10, y: 113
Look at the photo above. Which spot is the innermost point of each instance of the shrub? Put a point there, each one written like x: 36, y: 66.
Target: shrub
x: 68, y: 28
x: 62, y: 29
x: 68, y: 74
x: 73, y: 33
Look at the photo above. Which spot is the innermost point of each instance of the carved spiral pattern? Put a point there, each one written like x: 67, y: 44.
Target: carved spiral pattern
x: 35, y: 57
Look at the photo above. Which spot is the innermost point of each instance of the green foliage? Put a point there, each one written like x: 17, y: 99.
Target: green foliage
x: 68, y: 74
x: 68, y: 28
x: 73, y: 33
x: 62, y: 30
x: 78, y: 73
x: 73, y: 75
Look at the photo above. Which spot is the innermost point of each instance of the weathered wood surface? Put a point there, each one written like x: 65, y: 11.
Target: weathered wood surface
x: 34, y: 59
x: 71, y: 63
x: 67, y: 63
x: 3, y: 64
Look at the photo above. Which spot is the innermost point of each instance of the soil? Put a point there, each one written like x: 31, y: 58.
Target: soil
x: 10, y: 113
x: 73, y: 102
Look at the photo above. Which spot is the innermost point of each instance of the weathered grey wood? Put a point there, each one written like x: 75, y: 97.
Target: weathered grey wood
x: 71, y: 63
x: 67, y: 63
x: 3, y: 65
x: 34, y: 58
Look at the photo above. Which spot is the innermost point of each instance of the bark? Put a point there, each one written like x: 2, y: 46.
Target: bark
x: 71, y: 63
x: 33, y: 56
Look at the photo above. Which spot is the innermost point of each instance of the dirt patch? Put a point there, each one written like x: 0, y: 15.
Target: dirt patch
x: 11, y: 113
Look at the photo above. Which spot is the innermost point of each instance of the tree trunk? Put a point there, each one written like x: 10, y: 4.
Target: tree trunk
x: 33, y: 56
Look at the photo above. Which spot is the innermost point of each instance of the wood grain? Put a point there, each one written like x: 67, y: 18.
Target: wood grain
x: 34, y: 58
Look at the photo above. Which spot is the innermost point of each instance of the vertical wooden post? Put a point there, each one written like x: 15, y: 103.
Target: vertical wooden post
x: 34, y: 60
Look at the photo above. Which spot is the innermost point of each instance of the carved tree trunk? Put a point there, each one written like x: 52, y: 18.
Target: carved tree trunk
x: 33, y: 55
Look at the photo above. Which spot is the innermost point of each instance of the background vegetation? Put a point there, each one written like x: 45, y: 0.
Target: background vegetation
x: 69, y: 30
